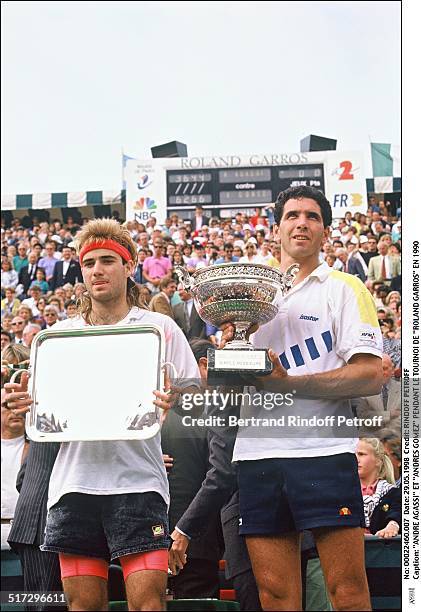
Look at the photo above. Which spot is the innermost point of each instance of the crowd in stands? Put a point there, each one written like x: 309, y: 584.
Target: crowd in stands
x: 41, y: 282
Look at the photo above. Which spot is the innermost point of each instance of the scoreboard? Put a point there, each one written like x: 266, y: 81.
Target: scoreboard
x: 224, y: 184
x: 241, y: 187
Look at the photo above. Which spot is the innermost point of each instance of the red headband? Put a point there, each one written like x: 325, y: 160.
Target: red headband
x: 112, y: 245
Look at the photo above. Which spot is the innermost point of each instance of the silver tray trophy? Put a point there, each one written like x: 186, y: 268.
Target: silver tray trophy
x: 243, y: 294
x: 95, y: 383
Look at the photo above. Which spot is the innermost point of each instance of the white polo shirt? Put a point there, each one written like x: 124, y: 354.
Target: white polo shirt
x: 322, y: 322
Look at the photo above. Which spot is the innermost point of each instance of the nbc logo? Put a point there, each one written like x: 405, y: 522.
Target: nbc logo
x: 145, y: 204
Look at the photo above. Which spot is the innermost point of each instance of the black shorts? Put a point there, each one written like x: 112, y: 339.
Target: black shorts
x: 283, y: 495
x: 107, y: 526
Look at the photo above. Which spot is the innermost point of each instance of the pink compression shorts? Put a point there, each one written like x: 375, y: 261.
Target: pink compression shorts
x: 76, y: 565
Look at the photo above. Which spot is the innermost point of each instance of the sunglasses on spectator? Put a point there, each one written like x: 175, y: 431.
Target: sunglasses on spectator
x: 18, y: 323
x: 50, y: 314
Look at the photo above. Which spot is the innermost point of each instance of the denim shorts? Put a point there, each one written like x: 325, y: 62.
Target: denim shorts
x: 284, y: 495
x: 107, y: 526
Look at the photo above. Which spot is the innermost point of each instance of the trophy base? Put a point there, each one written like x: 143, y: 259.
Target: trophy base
x: 233, y: 367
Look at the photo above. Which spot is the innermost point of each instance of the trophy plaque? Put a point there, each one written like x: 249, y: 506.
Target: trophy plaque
x: 243, y: 294
x: 95, y: 383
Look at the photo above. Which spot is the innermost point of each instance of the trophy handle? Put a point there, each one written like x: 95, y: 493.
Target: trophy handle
x: 184, y: 277
x: 288, y: 277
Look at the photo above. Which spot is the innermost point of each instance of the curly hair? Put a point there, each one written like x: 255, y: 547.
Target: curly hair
x: 107, y: 229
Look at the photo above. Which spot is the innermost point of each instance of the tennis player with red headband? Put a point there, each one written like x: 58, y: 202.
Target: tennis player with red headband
x: 109, y: 499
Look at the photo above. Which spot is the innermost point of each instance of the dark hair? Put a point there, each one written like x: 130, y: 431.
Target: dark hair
x: 200, y: 348
x: 297, y: 193
x: 6, y: 333
x: 70, y: 302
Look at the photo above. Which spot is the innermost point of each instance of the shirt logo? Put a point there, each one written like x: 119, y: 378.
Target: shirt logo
x: 158, y: 530
x: 240, y: 521
x: 309, y: 317
x: 370, y: 335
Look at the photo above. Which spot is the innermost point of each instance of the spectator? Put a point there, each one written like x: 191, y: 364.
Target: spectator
x: 383, y: 267
x: 380, y: 295
x: 376, y: 474
x: 29, y: 333
x: 27, y: 273
x: 70, y: 307
x: 9, y: 277
x: 238, y: 251
x: 20, y: 260
x: 199, y: 219
x: 177, y: 258
x: 396, y: 231
x: 67, y: 270
x: 198, y: 260
x: 161, y: 302
x: 7, y: 322
x: 50, y: 316
x: 79, y: 290
x: 16, y: 355
x: 392, y: 297
x: 357, y: 263
x: 386, y: 404
x: 275, y: 262
x: 156, y: 267
x: 251, y: 252
x: 386, y: 518
x: 264, y: 255
x: 9, y: 304
x: 6, y: 338
x: 387, y: 327
x: 34, y: 293
x: 49, y: 260
x: 186, y: 452
x: 228, y: 254
x: 145, y: 295
x: 13, y: 451
x: 187, y: 318
x: 138, y: 274
x: 40, y: 281
x: 372, y: 246
x: 68, y: 291
x: 341, y: 262
x: 18, y: 324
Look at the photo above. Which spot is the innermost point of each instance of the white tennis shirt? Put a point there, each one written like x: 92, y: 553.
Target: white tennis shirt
x: 127, y: 466
x: 322, y: 322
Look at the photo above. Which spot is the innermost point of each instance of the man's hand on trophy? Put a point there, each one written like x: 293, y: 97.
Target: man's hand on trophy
x: 228, y: 331
x: 17, y: 397
x: 278, y: 380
